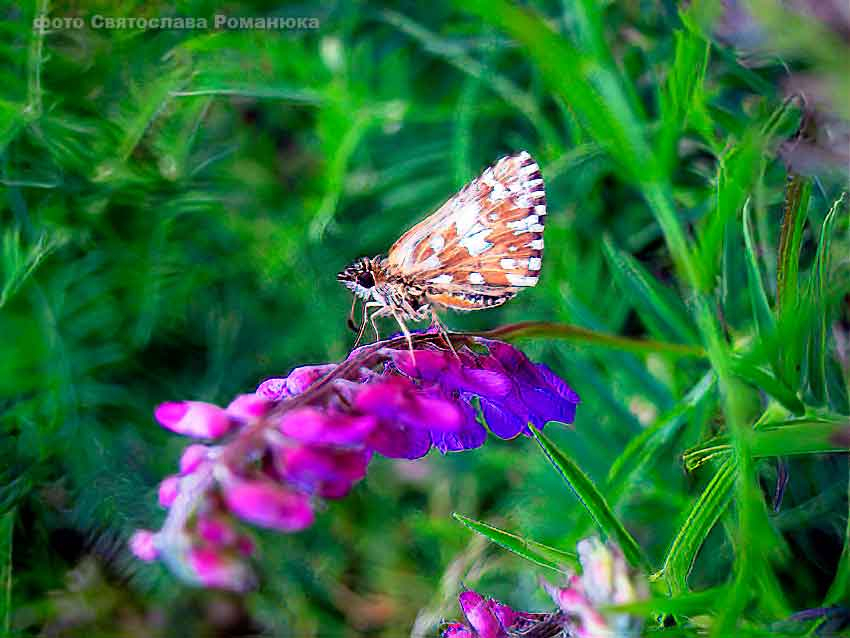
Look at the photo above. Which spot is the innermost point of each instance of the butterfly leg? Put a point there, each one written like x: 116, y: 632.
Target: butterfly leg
x: 435, y: 320
x: 381, y: 312
x: 362, y: 325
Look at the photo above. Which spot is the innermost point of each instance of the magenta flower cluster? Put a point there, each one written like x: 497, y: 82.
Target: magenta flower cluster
x: 276, y: 454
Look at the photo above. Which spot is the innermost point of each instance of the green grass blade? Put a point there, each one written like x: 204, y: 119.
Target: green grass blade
x: 840, y: 588
x: 593, y: 90
x: 549, y: 330
x: 7, y: 526
x: 662, y: 312
x: 696, y: 527
x: 818, y: 295
x: 537, y: 553
x: 646, y: 448
x: 592, y: 499
x: 766, y: 381
x: 762, y: 314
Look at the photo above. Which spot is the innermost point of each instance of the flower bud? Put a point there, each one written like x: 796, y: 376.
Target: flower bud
x: 143, y: 545
x: 194, y: 418
x: 168, y: 490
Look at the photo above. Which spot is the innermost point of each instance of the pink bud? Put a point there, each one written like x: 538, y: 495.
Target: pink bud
x: 143, y: 545
x: 194, y: 418
x: 168, y: 490
x: 480, y: 616
x: 302, y: 378
x: 273, y: 389
x: 269, y: 505
x: 248, y: 406
x: 192, y: 458
x: 218, y: 569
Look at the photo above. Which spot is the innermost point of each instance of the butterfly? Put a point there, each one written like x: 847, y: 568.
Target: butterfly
x: 476, y: 251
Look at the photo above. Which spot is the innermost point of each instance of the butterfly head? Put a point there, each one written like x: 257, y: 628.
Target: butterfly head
x: 361, y: 276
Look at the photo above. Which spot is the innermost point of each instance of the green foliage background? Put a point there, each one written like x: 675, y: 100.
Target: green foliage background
x: 175, y: 205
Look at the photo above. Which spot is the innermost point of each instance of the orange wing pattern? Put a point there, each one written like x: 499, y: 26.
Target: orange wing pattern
x: 482, y: 245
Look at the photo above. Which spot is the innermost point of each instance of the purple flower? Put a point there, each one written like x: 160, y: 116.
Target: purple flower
x: 312, y: 434
x: 410, y: 417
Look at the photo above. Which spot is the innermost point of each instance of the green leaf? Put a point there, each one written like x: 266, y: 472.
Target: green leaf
x: 591, y: 498
x: 659, y: 308
x: 537, y: 553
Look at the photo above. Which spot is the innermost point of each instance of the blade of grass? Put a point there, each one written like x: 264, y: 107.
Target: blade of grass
x: 662, y: 312
x: 646, y: 448
x: 7, y: 525
x: 743, y: 368
x: 531, y: 329
x: 762, y: 314
x: 537, y: 553
x: 818, y: 296
x: 592, y: 499
x: 703, y: 515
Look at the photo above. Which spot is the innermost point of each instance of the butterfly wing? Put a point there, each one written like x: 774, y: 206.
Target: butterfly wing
x: 485, y: 243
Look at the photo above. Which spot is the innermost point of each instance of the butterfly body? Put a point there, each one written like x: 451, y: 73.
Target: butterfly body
x: 475, y: 252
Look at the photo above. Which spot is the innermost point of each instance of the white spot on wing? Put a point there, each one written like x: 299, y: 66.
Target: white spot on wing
x: 437, y: 243
x: 521, y: 280
x: 475, y: 240
x: 540, y: 209
x: 512, y: 248
x: 466, y: 217
x: 524, y: 223
x: 432, y: 263
x: 507, y: 263
x: 441, y: 279
x: 534, y: 263
x: 536, y: 244
x: 475, y: 278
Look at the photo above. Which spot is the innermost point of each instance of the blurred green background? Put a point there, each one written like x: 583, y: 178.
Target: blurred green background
x: 176, y: 203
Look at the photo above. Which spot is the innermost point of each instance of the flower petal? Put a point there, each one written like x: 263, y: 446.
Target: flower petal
x: 311, y: 425
x: 269, y: 505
